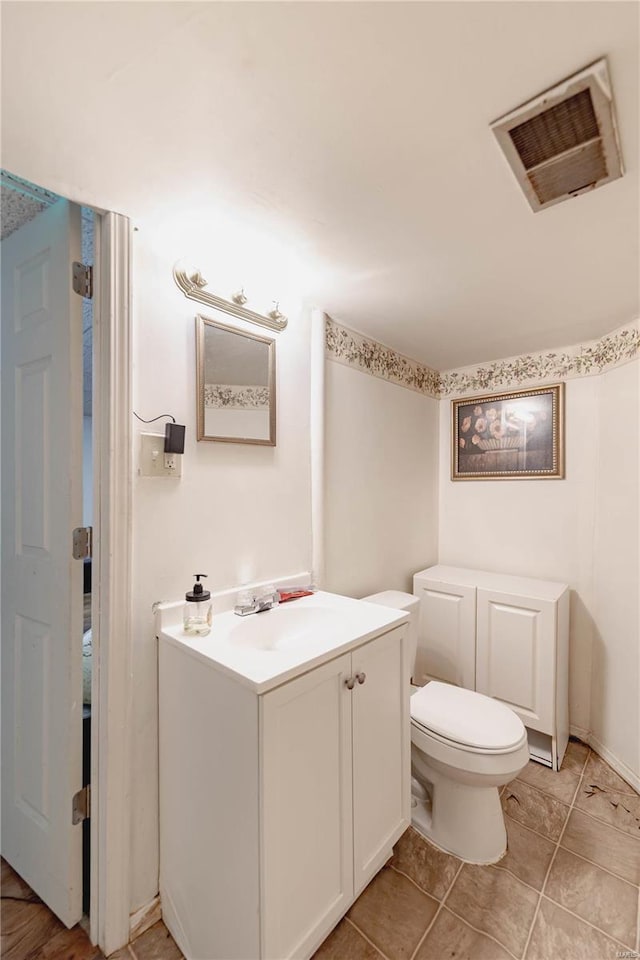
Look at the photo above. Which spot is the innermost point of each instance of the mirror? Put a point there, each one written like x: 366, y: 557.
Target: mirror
x: 236, y: 384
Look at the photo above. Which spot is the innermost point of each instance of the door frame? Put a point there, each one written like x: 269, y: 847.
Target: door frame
x: 111, y: 584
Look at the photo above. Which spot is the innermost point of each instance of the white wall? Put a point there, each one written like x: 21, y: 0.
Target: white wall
x: 380, y: 482
x: 563, y: 530
x: 616, y: 642
x: 240, y: 513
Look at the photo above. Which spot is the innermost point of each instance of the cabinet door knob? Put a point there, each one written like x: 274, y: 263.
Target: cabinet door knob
x: 350, y: 683
x: 361, y: 677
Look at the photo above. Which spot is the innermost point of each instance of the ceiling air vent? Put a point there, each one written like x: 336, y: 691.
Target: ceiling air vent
x: 565, y: 141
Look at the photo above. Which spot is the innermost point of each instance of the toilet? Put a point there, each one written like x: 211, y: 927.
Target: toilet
x: 464, y: 747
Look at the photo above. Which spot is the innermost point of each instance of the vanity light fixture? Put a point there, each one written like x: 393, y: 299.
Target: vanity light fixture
x: 192, y: 284
x: 275, y: 313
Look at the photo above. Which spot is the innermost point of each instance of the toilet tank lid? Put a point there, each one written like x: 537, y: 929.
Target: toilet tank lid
x: 395, y: 599
x: 466, y: 717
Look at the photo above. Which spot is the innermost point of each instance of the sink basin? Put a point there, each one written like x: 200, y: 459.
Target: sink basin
x: 284, y: 627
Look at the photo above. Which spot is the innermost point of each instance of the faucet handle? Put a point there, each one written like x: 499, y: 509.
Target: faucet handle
x: 245, y: 603
x: 268, y: 593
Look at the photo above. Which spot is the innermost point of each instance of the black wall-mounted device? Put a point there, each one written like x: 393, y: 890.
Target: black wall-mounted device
x: 174, y: 438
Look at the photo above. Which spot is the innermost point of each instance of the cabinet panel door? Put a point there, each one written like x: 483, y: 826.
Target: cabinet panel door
x: 381, y: 751
x: 306, y: 831
x: 447, y: 633
x: 516, y: 655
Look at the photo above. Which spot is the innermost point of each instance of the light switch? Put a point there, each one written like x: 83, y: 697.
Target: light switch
x: 153, y: 460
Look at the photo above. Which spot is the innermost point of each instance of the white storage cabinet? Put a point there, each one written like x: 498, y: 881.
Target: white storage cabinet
x: 276, y: 809
x: 506, y: 637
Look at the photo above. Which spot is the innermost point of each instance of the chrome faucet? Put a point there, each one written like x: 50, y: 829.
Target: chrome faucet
x: 256, y: 603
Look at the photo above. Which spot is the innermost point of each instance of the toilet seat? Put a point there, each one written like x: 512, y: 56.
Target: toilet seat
x: 466, y: 720
x: 465, y: 748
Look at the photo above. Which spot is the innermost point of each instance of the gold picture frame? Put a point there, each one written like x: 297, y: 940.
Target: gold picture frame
x: 517, y: 435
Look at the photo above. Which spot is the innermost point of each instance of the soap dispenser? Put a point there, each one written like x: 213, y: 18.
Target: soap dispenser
x: 198, y: 609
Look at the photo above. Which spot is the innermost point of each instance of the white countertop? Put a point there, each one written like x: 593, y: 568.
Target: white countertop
x: 266, y: 649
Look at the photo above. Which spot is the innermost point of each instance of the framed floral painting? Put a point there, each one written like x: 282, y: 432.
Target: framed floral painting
x: 509, y: 436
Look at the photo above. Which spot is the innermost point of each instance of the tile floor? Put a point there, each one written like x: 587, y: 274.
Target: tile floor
x: 31, y: 932
x: 567, y: 889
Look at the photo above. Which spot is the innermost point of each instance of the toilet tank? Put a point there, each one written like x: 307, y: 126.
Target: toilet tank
x: 398, y: 600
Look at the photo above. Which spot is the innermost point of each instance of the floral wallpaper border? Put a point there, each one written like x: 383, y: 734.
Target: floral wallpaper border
x: 581, y: 360
x: 232, y: 397
x: 355, y: 350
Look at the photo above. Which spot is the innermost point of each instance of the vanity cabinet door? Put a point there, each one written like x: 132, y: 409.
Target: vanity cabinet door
x: 516, y: 655
x: 381, y: 751
x: 306, y: 861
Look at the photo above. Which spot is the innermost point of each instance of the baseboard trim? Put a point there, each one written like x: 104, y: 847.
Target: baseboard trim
x: 580, y: 732
x: 621, y: 768
x: 144, y: 918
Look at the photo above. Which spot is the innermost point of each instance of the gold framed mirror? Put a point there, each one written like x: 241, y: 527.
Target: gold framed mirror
x: 235, y: 384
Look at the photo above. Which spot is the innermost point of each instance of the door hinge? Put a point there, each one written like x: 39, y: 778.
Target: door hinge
x: 82, y: 543
x: 81, y: 805
x: 82, y: 279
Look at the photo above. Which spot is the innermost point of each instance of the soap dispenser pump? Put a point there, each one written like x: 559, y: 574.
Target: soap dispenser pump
x: 198, y: 609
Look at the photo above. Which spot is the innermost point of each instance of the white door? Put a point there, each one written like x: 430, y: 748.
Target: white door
x: 41, y: 583
x: 307, y: 839
x: 516, y: 660
x: 447, y: 633
x: 381, y: 751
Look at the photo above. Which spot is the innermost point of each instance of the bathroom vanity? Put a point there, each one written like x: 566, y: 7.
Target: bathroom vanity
x: 284, y: 772
x: 506, y: 637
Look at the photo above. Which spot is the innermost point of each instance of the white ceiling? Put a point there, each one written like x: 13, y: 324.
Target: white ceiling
x: 356, y: 133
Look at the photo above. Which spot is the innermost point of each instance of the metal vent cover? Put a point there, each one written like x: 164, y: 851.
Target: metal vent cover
x: 565, y: 141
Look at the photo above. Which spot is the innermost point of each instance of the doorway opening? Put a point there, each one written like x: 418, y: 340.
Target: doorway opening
x: 88, y: 248
x: 65, y: 459
x: 45, y: 344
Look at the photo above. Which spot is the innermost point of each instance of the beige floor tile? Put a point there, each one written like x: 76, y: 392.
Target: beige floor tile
x: 495, y: 902
x: 575, y: 756
x: 11, y: 885
x: 156, y: 943
x: 71, y: 944
x: 607, y: 902
x: 534, y: 809
x: 345, y: 943
x: 393, y: 914
x: 123, y: 954
x: 599, y: 842
x: 452, y: 939
x: 557, y: 935
x: 432, y: 869
x: 528, y: 854
x: 560, y: 784
x: 618, y: 809
x: 598, y: 771
x: 26, y: 927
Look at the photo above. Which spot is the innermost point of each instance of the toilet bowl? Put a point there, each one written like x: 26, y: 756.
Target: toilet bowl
x: 464, y: 747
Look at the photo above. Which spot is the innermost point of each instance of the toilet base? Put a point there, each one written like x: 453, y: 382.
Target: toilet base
x: 466, y: 821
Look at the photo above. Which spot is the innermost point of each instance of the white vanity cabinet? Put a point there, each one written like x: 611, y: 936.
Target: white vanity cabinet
x: 277, y: 807
x: 506, y: 637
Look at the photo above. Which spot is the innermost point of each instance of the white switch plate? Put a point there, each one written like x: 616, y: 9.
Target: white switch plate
x: 152, y: 457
